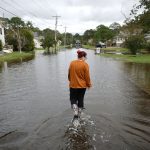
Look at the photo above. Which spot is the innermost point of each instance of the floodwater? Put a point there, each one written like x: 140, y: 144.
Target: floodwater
x: 35, y: 111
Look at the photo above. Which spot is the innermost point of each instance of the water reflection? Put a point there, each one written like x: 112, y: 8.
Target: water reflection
x: 139, y: 74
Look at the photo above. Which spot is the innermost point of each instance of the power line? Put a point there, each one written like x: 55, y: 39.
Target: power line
x: 8, y: 11
x: 36, y: 3
x: 17, y: 15
x: 36, y: 17
x: 22, y: 8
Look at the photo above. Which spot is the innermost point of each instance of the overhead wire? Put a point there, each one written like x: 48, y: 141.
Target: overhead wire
x: 30, y: 13
x: 8, y: 11
x: 38, y: 6
x: 46, y: 21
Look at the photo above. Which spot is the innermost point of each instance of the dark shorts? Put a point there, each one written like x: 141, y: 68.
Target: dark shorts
x: 77, y: 96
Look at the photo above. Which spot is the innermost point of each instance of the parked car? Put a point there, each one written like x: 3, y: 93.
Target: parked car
x: 103, y: 45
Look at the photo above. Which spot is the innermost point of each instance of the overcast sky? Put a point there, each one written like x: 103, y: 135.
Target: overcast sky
x: 77, y: 15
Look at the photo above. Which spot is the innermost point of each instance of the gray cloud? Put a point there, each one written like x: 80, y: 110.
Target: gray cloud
x: 78, y: 15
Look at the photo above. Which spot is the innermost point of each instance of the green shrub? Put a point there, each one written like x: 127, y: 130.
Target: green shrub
x: 26, y: 36
x: 134, y: 43
x: 27, y: 39
x: 1, y: 46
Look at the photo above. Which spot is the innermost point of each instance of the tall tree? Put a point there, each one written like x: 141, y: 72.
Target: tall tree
x: 103, y: 33
x: 15, y: 24
x: 48, y: 42
x: 29, y: 25
x: 77, y: 37
x: 88, y: 35
x: 115, y: 27
x: 140, y: 15
x: 18, y: 35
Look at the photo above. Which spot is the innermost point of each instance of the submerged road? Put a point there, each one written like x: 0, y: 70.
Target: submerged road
x: 35, y: 110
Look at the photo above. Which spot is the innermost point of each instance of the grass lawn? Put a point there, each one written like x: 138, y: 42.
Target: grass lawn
x: 88, y: 47
x: 145, y: 58
x: 39, y: 49
x: 117, y: 49
x: 15, y: 56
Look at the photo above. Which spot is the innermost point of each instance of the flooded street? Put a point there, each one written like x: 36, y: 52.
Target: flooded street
x: 35, y: 109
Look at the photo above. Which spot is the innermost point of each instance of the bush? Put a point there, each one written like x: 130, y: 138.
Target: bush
x: 134, y: 44
x: 26, y: 37
x: 11, y: 40
x: 1, y: 46
x: 27, y: 40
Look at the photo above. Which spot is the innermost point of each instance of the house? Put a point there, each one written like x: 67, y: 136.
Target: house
x: 37, y: 43
x: 119, y: 39
x: 37, y: 40
x: 2, y: 36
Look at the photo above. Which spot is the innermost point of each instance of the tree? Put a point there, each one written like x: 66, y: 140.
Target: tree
x: 103, y: 33
x: 19, y: 36
x: 27, y: 40
x: 29, y: 25
x: 11, y: 39
x: 88, y: 35
x: 15, y: 24
x: 140, y: 15
x: 48, y: 42
x: 115, y: 26
x: 134, y: 43
x: 77, y: 37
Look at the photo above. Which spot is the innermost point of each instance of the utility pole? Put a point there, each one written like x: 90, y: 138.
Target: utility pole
x: 19, y: 40
x: 65, y: 37
x: 56, y: 17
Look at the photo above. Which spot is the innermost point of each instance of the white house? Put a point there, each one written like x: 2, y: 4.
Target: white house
x: 37, y: 40
x: 37, y: 43
x: 119, y: 39
x: 2, y: 36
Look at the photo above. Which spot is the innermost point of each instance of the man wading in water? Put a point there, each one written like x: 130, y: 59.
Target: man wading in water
x: 79, y: 80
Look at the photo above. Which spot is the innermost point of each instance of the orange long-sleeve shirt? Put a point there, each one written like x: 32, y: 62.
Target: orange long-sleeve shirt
x: 79, y: 75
